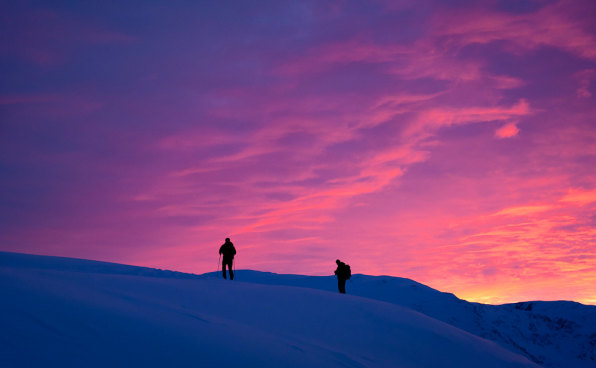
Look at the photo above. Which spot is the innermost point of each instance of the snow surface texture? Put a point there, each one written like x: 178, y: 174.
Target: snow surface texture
x: 553, y: 334
x: 59, y: 312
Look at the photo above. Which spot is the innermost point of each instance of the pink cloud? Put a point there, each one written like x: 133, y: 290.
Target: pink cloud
x: 436, y: 118
x: 553, y: 25
x: 525, y: 242
x: 580, y: 197
x: 523, y: 210
x: 507, y: 131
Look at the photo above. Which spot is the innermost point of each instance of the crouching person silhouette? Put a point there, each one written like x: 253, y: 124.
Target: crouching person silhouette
x: 343, y: 273
x: 228, y: 251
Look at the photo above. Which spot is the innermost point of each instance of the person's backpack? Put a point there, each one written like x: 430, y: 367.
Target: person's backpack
x: 348, y: 271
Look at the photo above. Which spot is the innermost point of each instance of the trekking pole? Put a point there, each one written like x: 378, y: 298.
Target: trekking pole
x: 218, y: 263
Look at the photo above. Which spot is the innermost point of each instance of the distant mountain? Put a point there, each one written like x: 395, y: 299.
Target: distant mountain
x: 552, y: 334
x: 59, y: 312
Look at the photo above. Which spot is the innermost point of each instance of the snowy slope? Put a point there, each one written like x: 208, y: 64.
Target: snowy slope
x: 58, y: 312
x: 553, y: 334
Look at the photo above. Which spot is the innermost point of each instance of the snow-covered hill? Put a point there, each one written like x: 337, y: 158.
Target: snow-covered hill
x: 552, y: 334
x: 71, y: 312
x: 59, y: 312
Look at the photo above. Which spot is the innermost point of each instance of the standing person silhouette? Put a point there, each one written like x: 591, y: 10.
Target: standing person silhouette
x: 343, y: 272
x: 228, y: 251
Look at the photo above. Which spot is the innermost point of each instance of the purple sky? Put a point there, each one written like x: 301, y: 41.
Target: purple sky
x: 449, y: 142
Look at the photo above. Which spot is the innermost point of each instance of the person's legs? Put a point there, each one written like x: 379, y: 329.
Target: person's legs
x: 227, y: 262
x: 341, y: 284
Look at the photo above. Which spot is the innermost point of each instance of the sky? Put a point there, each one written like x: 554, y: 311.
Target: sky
x: 453, y: 143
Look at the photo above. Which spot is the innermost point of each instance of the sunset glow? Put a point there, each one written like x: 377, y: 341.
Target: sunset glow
x: 453, y: 143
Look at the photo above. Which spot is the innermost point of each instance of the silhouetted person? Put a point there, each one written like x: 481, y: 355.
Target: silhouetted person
x: 228, y: 251
x: 343, y: 272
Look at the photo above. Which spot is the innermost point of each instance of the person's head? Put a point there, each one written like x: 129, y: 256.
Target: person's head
x: 227, y: 240
x: 337, y: 261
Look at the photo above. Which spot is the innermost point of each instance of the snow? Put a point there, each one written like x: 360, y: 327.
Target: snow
x: 552, y: 334
x: 59, y: 312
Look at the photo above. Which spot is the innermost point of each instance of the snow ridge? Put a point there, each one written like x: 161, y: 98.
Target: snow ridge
x: 62, y: 312
x: 552, y: 334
